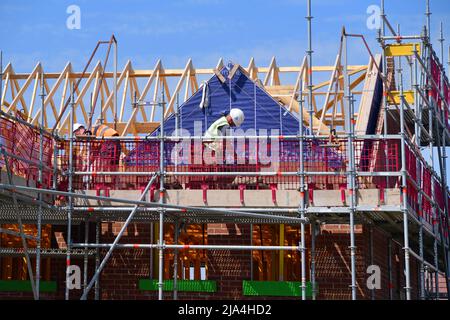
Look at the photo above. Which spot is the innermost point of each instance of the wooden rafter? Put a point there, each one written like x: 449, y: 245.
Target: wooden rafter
x: 327, y: 96
x: 183, y: 77
x: 33, y: 75
x: 272, y: 74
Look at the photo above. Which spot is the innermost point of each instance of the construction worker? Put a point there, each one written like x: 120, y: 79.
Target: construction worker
x: 101, y: 131
x: 92, y: 155
x: 215, y: 131
x: 104, y: 155
x: 214, y: 143
x: 79, y: 150
x: 110, y: 149
x: 79, y: 161
x: 79, y: 129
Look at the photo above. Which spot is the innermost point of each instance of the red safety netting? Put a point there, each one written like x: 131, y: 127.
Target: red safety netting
x: 411, y: 163
x: 412, y: 182
x: 420, y: 176
x: 438, y: 195
x: 426, y: 187
x: 446, y: 224
x: 446, y: 108
x: 436, y: 75
x: 440, y: 215
x: 412, y: 196
x: 22, y: 145
x: 195, y: 165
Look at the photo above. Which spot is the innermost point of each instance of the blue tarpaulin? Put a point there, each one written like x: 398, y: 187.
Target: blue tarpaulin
x: 261, y: 112
x: 260, y: 109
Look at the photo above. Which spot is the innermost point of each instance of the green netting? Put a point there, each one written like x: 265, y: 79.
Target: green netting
x: 275, y: 288
x: 25, y: 286
x: 182, y: 285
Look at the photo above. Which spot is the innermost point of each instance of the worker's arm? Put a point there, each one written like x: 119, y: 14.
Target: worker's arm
x: 213, y: 131
x: 214, y: 134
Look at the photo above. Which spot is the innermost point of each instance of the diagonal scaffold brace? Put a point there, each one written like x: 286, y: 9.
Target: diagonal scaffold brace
x: 21, y: 230
x: 116, y: 240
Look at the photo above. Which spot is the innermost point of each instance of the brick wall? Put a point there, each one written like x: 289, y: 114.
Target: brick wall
x: 57, y: 268
x: 333, y: 264
x: 227, y: 267
x: 119, y: 279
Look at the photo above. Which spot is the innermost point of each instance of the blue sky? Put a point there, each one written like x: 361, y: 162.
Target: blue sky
x: 204, y: 30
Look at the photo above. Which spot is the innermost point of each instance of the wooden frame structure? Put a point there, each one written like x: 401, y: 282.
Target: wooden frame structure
x: 136, y: 86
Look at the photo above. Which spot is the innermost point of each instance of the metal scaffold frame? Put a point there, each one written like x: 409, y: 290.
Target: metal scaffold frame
x: 420, y: 66
x: 422, y: 122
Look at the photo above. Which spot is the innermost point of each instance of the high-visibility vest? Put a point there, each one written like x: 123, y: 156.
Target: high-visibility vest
x: 214, y: 133
x: 104, y: 131
x: 80, y: 151
x: 109, y: 151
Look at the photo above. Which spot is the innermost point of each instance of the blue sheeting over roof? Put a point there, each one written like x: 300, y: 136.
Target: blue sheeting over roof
x: 260, y: 109
x: 261, y: 112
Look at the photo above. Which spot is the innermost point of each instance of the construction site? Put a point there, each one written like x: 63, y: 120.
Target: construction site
x: 318, y: 186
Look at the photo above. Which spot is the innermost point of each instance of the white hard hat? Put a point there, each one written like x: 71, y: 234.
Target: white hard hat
x: 238, y: 116
x: 77, y: 126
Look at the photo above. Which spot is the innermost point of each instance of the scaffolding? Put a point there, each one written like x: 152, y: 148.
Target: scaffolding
x: 353, y: 160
